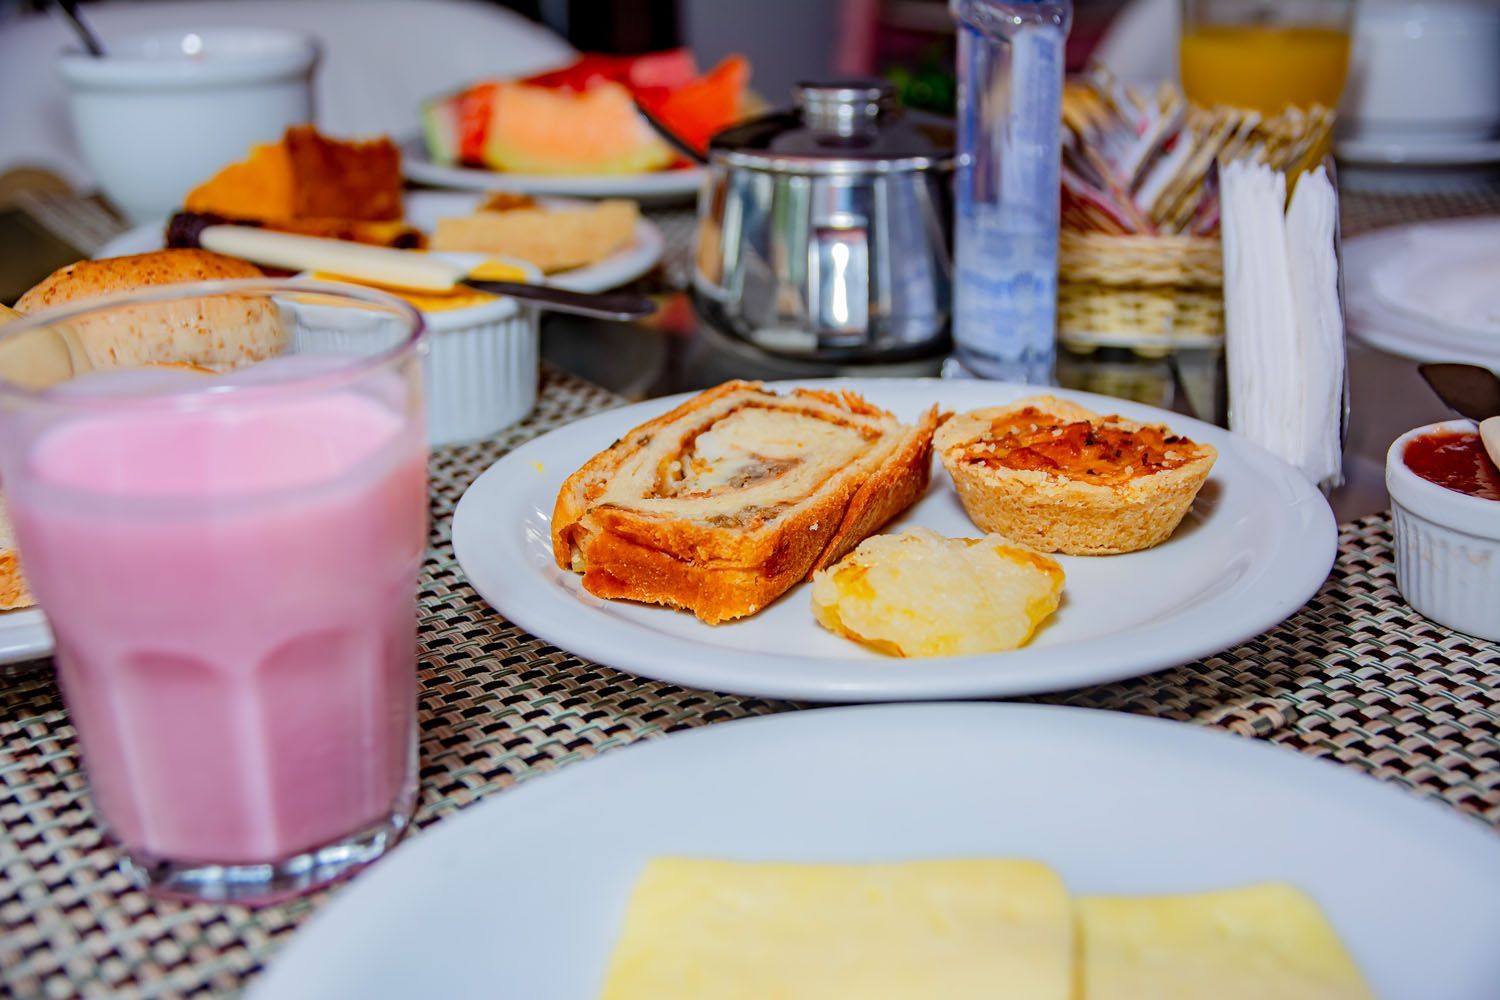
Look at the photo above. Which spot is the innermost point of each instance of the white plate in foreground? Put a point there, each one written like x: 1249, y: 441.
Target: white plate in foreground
x: 658, y: 186
x: 1257, y: 544
x: 522, y: 895
x: 1400, y: 331
x: 24, y: 635
x: 424, y: 208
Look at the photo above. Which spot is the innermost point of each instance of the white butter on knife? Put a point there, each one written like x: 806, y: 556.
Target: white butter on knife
x: 408, y: 269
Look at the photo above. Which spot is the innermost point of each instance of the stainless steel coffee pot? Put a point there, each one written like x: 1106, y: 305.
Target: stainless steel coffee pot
x: 826, y: 231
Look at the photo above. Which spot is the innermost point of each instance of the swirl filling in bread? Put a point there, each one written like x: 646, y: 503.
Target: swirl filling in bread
x: 723, y: 504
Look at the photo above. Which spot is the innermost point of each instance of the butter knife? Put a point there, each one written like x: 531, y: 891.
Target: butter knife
x: 410, y: 270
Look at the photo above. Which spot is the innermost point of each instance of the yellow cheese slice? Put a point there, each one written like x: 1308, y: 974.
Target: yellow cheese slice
x: 721, y: 930
x: 1253, y: 943
x: 460, y: 297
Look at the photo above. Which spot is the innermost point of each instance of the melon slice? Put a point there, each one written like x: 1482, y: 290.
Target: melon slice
x: 537, y: 130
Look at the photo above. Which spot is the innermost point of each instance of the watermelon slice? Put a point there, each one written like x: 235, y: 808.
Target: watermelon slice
x: 581, y: 118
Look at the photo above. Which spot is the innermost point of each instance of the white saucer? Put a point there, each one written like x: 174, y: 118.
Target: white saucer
x: 1418, y: 152
x: 1395, y: 330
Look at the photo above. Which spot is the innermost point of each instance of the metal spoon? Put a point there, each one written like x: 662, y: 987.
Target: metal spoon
x: 1468, y: 389
x: 677, y: 142
x: 85, y: 33
x: 1473, y: 392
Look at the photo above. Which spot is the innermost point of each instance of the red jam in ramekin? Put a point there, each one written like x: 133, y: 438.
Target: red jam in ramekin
x: 1455, y: 460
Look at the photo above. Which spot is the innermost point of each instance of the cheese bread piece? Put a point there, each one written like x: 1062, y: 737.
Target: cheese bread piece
x: 721, y: 505
x: 721, y: 930
x: 1253, y: 943
x: 920, y: 594
x: 13, y: 592
x: 554, y: 239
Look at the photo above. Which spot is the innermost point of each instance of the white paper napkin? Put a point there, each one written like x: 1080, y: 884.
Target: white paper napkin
x: 1284, y: 331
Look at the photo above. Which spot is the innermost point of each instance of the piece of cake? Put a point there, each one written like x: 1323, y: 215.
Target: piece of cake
x: 1056, y: 477
x: 307, y: 176
x: 1252, y: 943
x: 721, y: 505
x: 552, y: 239
x: 920, y: 594
x: 721, y: 930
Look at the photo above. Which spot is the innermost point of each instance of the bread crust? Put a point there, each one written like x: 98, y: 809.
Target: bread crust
x: 217, y: 332
x: 721, y: 573
x: 90, y: 279
x: 1058, y: 513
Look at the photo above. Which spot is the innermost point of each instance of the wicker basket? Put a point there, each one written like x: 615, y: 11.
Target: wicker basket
x: 1147, y: 293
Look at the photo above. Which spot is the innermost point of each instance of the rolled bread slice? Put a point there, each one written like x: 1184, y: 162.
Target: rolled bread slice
x: 217, y: 332
x: 726, y: 502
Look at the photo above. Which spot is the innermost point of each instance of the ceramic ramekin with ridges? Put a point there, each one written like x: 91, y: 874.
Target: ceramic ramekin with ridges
x: 1447, y: 544
x: 482, y: 365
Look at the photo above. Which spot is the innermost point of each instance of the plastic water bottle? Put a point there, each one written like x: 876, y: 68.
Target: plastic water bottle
x: 1010, y: 76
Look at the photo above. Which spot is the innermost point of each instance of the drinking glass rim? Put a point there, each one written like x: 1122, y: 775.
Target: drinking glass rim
x: 351, y: 370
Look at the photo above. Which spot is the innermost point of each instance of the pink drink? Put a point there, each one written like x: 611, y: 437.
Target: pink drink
x: 233, y: 594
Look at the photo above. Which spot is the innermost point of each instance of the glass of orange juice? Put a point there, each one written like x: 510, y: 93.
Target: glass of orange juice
x: 1265, y: 54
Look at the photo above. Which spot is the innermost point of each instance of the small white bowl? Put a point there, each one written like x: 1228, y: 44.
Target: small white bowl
x: 1447, y: 544
x: 483, y: 361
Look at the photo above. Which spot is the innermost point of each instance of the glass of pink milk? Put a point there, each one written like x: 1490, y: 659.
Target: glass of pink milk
x: 228, y: 560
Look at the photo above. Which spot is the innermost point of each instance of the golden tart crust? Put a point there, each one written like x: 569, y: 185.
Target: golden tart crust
x: 1060, y: 478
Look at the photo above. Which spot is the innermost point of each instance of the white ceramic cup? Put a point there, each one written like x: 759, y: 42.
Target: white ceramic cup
x: 164, y: 110
x: 1423, y: 70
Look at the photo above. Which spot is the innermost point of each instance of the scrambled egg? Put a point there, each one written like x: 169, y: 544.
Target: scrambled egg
x: 921, y: 594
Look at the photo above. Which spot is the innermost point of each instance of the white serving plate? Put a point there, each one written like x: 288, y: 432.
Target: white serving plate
x: 24, y: 635
x: 1257, y: 544
x: 657, y: 187
x: 522, y: 895
x: 1401, y: 331
x: 424, y: 208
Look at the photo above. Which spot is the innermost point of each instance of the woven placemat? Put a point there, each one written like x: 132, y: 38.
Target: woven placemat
x: 1355, y: 675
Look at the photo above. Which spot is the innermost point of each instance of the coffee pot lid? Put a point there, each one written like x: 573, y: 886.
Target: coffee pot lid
x: 843, y: 126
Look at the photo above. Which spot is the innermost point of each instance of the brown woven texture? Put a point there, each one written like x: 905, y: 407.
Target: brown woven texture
x: 1355, y: 676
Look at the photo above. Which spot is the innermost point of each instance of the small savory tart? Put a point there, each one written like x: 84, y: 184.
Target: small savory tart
x: 1054, y: 476
x: 921, y: 594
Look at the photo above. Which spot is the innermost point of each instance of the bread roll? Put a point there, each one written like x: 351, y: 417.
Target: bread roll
x: 218, y: 332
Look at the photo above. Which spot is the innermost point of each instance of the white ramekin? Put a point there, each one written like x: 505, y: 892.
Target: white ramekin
x: 1447, y: 544
x: 483, y: 363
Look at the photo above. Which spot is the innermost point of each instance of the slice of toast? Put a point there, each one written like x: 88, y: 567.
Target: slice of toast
x: 726, y: 502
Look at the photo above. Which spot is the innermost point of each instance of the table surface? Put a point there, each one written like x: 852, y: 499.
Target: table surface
x: 1354, y: 676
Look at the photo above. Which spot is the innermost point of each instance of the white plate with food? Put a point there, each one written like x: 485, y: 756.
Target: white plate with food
x: 657, y: 186
x: 425, y: 208
x: 1425, y: 291
x: 1256, y: 543
x: 24, y: 635
x: 524, y: 895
